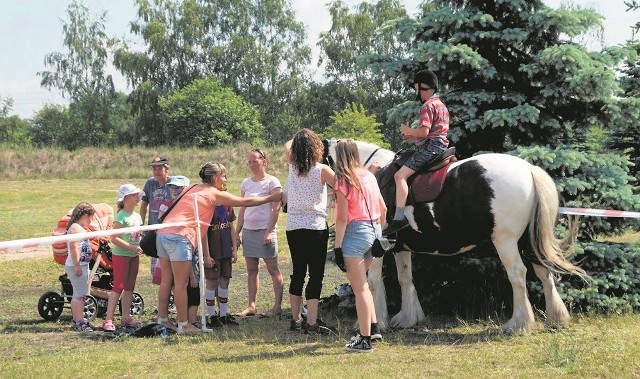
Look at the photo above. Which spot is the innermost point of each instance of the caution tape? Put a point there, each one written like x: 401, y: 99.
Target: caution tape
x: 44, y: 241
x: 598, y: 212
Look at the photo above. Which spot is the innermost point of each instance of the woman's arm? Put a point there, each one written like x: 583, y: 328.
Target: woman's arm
x: 225, y: 198
x: 273, y: 219
x: 327, y: 175
x: 341, y: 215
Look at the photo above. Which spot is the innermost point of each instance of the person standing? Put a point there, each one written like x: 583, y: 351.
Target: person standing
x: 77, y: 264
x: 126, y: 257
x: 222, y: 250
x: 431, y: 137
x: 307, y: 231
x: 360, y: 210
x: 258, y: 228
x: 176, y: 244
x: 156, y: 196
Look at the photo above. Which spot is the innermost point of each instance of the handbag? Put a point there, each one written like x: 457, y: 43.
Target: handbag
x: 148, y: 240
x: 379, y: 247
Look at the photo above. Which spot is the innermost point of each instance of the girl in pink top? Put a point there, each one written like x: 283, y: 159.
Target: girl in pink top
x: 359, y: 211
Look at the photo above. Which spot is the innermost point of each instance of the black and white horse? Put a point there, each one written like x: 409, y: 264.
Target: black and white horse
x: 491, y: 197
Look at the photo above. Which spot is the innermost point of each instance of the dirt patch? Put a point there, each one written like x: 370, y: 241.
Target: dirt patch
x: 30, y: 253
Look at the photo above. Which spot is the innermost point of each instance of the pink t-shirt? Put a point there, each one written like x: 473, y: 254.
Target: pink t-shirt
x: 357, y: 208
x: 183, y: 211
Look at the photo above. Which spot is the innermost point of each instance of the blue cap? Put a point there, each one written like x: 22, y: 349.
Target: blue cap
x: 178, y: 181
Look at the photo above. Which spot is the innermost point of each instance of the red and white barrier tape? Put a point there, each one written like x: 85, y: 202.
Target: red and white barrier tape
x: 598, y: 212
x: 44, y: 241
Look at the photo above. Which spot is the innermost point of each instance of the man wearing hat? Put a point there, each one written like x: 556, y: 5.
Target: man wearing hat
x: 430, y: 135
x: 156, y: 194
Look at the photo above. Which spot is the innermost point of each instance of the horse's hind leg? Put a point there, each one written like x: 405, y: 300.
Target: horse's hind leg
x: 557, y: 313
x: 522, y: 318
x: 411, y: 311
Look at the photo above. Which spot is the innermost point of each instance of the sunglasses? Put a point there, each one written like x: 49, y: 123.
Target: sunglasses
x: 259, y: 151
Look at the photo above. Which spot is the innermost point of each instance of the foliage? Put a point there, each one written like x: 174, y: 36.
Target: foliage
x: 51, y: 126
x: 353, y: 121
x: 348, y: 39
x: 13, y: 130
x: 255, y: 47
x: 206, y: 114
x: 615, y: 285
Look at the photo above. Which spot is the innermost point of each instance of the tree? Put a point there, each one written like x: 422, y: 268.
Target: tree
x: 51, y: 126
x: 205, y: 113
x: 354, y: 34
x: 353, y: 121
x: 80, y: 75
x: 13, y: 130
x: 255, y: 47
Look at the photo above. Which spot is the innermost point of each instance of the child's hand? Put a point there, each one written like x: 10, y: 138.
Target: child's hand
x: 78, y: 270
x: 234, y: 255
x: 208, y: 262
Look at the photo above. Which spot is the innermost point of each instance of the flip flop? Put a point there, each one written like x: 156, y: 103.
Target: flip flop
x: 246, y: 313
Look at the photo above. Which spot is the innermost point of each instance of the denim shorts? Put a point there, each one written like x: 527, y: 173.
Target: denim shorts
x: 424, y: 154
x: 175, y: 247
x: 358, y: 239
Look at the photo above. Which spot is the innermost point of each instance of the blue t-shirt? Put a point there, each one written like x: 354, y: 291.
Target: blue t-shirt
x: 219, y: 233
x: 155, y: 196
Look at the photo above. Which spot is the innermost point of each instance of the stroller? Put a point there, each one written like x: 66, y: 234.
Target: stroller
x: 51, y: 303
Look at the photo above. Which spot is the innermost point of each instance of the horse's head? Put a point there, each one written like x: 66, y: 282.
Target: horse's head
x: 369, y: 153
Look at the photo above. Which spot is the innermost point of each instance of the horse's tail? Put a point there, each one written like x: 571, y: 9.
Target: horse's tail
x: 550, y: 251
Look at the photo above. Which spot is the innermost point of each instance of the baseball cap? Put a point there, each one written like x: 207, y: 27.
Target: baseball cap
x: 128, y: 189
x: 160, y: 160
x: 178, y: 181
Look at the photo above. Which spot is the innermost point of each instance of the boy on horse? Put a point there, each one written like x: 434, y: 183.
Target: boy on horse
x: 430, y: 135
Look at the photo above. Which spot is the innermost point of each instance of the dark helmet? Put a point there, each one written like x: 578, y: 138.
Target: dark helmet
x: 426, y: 77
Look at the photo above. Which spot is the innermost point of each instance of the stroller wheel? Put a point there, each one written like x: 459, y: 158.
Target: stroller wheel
x: 90, y: 307
x: 50, y: 306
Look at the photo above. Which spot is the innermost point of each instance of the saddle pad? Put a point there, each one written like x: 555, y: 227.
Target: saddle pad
x: 426, y: 186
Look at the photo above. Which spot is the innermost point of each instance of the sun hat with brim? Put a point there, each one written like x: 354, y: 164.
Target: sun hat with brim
x: 178, y: 181
x: 128, y: 189
x: 160, y: 161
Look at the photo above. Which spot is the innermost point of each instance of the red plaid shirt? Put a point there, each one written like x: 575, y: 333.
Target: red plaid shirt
x: 434, y: 116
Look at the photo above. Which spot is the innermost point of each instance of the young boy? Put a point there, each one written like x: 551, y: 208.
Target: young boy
x: 221, y: 252
x: 431, y: 136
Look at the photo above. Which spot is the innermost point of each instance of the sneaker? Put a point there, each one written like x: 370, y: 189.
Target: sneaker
x: 320, y: 328
x: 360, y: 345
x: 297, y: 326
x: 375, y: 334
x: 228, y: 320
x: 214, y: 322
x: 84, y: 327
x: 395, y: 226
x: 107, y: 326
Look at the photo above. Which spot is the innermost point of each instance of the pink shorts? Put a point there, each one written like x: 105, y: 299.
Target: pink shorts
x: 125, y: 272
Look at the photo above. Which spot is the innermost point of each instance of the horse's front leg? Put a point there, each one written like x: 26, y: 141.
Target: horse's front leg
x: 376, y: 285
x: 411, y: 311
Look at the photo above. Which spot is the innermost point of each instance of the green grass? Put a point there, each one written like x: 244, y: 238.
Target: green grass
x: 34, y: 198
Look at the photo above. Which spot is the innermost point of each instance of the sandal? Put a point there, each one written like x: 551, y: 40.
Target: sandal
x: 129, y: 322
x: 107, y: 326
x: 186, y: 328
x: 167, y: 324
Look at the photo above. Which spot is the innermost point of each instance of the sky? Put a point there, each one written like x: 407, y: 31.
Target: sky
x: 31, y: 29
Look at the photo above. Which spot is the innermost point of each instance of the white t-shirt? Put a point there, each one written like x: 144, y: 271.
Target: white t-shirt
x: 306, y: 200
x: 257, y: 218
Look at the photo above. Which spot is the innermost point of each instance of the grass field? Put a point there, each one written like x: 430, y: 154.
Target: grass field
x: 591, y: 346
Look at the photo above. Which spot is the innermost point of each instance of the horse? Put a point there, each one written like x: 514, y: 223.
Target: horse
x: 496, y: 198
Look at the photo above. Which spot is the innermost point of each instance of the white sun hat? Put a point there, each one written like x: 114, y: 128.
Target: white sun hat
x: 128, y: 189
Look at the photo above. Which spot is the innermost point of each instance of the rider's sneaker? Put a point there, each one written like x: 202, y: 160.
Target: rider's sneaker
x: 395, y: 226
x: 360, y: 345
